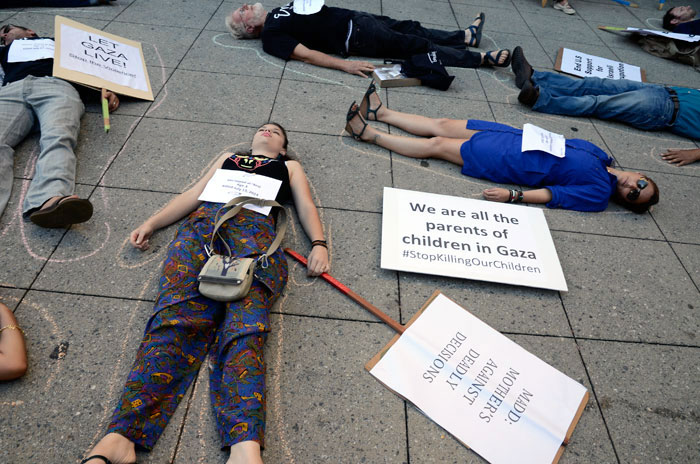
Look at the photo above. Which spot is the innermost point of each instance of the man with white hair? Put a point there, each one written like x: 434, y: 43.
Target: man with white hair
x: 314, y: 37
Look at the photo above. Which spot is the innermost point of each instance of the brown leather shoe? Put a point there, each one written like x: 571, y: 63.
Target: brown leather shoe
x: 521, y: 68
x: 529, y: 94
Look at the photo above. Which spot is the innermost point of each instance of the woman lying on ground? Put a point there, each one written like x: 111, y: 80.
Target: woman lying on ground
x: 583, y: 180
x: 186, y: 325
x: 13, y: 354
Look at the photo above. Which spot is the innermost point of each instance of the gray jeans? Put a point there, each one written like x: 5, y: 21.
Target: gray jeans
x: 54, y: 108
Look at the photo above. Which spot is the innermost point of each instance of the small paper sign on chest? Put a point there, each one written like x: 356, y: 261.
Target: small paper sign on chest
x: 226, y: 184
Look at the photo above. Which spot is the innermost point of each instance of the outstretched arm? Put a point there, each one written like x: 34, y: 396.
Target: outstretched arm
x: 305, y: 54
x: 308, y: 215
x: 502, y: 195
x: 681, y: 157
x: 175, y: 210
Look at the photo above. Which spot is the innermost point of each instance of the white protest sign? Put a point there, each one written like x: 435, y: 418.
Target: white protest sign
x: 584, y: 65
x: 471, y: 239
x: 227, y: 184
x: 23, y: 50
x: 487, y: 391
x: 669, y: 35
x: 98, y: 59
x: 307, y: 7
x: 536, y: 138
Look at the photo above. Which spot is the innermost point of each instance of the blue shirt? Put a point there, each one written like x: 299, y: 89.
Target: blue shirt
x: 688, y: 119
x: 691, y: 27
x: 579, y: 181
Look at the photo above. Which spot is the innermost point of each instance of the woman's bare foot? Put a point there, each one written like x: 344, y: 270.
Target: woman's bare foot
x: 117, y: 448
x: 357, y: 127
x: 371, y: 104
x: 245, y: 452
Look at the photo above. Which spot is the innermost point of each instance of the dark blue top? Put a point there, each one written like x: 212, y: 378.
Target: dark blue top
x: 691, y: 27
x: 264, y: 166
x: 579, y: 181
x: 688, y: 119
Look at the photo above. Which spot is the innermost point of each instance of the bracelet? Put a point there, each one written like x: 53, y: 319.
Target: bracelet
x: 319, y: 242
x: 516, y: 196
x: 15, y: 327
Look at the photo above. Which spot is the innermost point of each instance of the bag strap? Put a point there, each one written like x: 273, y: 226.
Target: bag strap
x: 281, y: 227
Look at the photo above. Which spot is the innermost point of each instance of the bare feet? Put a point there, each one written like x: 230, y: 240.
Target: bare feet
x: 245, y: 452
x: 472, y: 35
x: 117, y: 448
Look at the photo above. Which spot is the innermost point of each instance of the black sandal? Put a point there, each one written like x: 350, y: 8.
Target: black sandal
x: 370, y: 90
x: 96, y: 456
x: 475, y: 38
x: 490, y: 60
x: 352, y: 112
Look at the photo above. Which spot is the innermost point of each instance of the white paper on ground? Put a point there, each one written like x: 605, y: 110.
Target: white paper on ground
x: 536, y: 138
x: 307, y: 7
x: 226, y: 184
x: 23, y: 50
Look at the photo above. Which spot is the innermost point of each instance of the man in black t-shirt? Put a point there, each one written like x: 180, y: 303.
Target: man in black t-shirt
x: 31, y: 99
x: 312, y: 38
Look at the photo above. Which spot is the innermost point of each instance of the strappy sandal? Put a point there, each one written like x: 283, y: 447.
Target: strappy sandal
x: 370, y: 90
x: 96, y: 456
x: 475, y: 38
x: 490, y: 60
x: 352, y: 112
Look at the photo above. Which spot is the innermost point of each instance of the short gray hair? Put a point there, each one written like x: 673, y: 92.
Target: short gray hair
x: 237, y: 29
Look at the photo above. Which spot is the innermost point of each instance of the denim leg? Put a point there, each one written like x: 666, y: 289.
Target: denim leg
x: 58, y: 109
x: 640, y: 105
x: 16, y: 121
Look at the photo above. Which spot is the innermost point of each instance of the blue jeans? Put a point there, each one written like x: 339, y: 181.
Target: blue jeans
x: 54, y: 108
x: 645, y: 106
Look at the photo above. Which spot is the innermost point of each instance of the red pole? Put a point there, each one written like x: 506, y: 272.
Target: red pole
x: 364, y: 303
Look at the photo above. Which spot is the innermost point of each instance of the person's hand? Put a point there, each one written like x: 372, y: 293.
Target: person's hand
x: 359, y: 68
x: 139, y: 236
x: 681, y: 157
x: 496, y: 194
x: 112, y: 100
x: 317, y: 262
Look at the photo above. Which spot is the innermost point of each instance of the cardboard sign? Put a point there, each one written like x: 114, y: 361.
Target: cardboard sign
x: 98, y: 59
x: 488, y: 392
x: 584, y: 65
x: 470, y: 239
x: 227, y: 184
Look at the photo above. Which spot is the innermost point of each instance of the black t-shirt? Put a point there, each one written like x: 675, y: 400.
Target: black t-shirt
x: 263, y: 166
x: 18, y: 71
x: 325, y: 31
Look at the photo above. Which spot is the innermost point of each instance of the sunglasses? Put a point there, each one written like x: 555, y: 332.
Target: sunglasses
x: 641, y: 185
x: 4, y: 30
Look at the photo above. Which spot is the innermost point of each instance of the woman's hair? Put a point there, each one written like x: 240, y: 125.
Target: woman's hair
x: 283, y: 157
x: 639, y: 208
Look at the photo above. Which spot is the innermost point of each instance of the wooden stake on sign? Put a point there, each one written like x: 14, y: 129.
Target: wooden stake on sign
x: 364, y: 303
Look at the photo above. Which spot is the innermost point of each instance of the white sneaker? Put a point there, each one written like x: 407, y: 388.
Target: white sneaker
x: 565, y: 8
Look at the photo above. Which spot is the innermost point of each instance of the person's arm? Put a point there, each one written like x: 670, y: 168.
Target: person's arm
x: 308, y: 216
x: 305, y: 54
x: 502, y: 195
x: 681, y: 157
x: 13, y: 353
x: 175, y: 210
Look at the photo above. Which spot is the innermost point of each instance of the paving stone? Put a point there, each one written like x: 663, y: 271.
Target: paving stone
x: 425, y: 12
x: 690, y: 257
x: 678, y: 195
x: 615, y: 293
x: 497, y: 19
x: 42, y: 22
x: 565, y: 26
x: 100, y: 248
x: 180, y: 13
x: 11, y: 297
x: 77, y: 368
x: 645, y: 393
